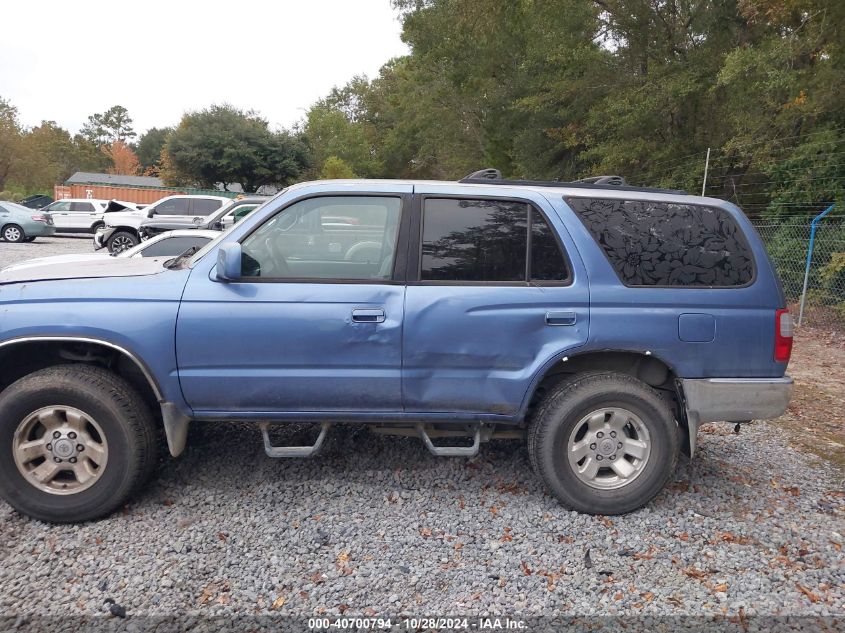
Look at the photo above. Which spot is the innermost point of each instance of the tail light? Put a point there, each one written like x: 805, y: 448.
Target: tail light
x: 41, y: 218
x: 783, y: 336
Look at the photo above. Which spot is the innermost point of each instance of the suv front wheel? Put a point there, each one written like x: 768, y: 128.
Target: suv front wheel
x: 121, y: 241
x: 79, y: 442
x: 604, y: 443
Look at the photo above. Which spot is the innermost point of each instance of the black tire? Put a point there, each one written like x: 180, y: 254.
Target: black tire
x: 30, y: 239
x: 120, y: 241
x: 561, y: 411
x: 126, y: 423
x: 13, y: 233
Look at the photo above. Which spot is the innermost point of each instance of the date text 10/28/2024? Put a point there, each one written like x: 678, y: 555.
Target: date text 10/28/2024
x: 414, y: 624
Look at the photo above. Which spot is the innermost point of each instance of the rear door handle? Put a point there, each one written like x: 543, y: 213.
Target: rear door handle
x: 560, y: 318
x: 361, y: 315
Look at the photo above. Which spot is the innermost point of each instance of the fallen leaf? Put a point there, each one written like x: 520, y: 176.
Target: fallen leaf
x: 618, y: 597
x: 343, y: 558
x: 692, y: 572
x: 607, y: 522
x: 494, y: 510
x: 462, y: 502
x: 525, y: 568
x: 813, y: 597
x: 723, y: 587
x: 222, y: 536
x: 648, y: 596
x: 223, y: 599
x: 278, y: 603
x: 425, y: 532
x: 684, y: 536
x: 646, y: 555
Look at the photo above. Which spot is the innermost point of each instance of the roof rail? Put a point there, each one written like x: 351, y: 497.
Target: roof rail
x: 494, y: 177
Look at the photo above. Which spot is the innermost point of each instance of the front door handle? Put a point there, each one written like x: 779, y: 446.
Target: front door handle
x: 560, y: 318
x: 361, y: 315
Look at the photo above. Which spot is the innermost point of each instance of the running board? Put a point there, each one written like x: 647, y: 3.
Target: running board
x: 293, y: 451
x: 450, y: 451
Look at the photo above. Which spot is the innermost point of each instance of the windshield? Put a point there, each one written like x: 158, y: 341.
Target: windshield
x: 213, y: 243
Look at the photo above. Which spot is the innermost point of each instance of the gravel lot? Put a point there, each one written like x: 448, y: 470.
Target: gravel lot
x: 11, y: 252
x: 376, y: 525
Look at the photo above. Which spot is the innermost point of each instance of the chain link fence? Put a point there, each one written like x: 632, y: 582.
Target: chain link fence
x: 788, y: 243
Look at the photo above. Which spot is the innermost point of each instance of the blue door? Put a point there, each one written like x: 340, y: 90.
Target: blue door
x: 313, y: 325
x: 496, y: 290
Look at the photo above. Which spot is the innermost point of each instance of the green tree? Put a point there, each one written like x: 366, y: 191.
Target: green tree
x: 224, y: 145
x: 334, y: 167
x: 149, y: 147
x: 10, y: 140
x: 114, y: 124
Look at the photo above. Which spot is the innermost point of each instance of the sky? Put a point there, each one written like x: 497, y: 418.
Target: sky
x: 63, y: 61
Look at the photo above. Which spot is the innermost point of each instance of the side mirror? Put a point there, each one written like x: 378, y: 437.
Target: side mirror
x: 229, y: 262
x: 151, y: 213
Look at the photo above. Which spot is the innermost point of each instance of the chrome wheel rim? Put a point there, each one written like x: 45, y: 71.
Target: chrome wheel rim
x: 60, y: 450
x: 120, y: 244
x: 12, y: 234
x: 609, y: 448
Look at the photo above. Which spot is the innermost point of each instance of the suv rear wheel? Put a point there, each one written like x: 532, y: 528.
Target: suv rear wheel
x: 604, y: 443
x: 79, y: 442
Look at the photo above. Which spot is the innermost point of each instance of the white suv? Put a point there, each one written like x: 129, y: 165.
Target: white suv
x: 76, y: 215
x: 121, y: 227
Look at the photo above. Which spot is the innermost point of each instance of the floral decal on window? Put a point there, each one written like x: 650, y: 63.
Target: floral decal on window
x: 667, y: 244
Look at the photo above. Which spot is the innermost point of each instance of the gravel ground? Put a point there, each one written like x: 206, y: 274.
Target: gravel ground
x: 11, y: 252
x: 375, y: 525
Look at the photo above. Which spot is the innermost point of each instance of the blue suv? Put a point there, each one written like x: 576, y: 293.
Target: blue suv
x: 602, y: 323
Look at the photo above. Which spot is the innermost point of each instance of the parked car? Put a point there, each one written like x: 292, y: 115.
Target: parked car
x: 38, y: 201
x: 225, y: 217
x: 169, y: 244
x: 121, y: 228
x: 21, y: 224
x: 601, y: 323
x: 76, y: 215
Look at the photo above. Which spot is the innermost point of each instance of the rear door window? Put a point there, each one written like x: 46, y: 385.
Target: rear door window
x: 83, y: 207
x: 465, y: 240
x: 204, y: 206
x: 666, y: 243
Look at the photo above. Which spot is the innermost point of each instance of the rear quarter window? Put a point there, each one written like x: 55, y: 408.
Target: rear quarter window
x: 668, y: 244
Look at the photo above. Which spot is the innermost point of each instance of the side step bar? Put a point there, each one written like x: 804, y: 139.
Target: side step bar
x: 421, y: 431
x: 450, y: 451
x: 293, y: 451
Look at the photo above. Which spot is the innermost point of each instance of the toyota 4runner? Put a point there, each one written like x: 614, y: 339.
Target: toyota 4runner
x: 600, y: 322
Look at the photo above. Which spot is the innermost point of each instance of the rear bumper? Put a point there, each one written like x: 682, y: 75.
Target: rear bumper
x: 734, y: 400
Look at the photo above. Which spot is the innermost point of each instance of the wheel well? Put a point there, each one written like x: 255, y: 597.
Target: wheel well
x: 20, y: 359
x: 651, y: 370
